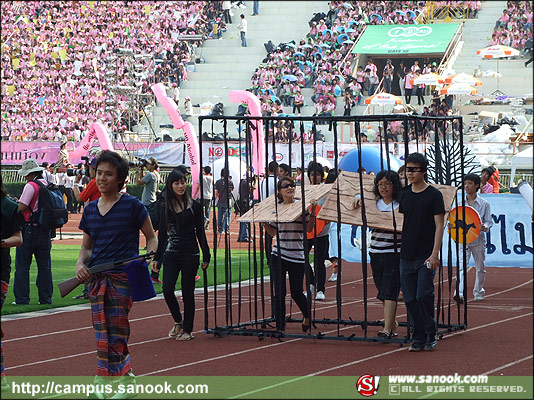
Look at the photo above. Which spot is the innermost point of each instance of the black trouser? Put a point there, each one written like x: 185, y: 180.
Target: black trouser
x: 296, y: 279
x: 227, y: 17
x: 173, y: 264
x: 320, y: 254
x: 420, y: 96
x: 407, y: 95
x: 71, y: 206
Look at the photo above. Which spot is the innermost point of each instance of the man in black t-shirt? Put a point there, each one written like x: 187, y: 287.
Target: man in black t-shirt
x: 422, y: 232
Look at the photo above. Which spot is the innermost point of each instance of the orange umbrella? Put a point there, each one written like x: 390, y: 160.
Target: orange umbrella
x: 497, y: 51
x: 462, y: 77
x: 381, y: 99
x: 459, y: 88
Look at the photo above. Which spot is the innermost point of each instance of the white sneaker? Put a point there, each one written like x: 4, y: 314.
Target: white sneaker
x: 479, y: 297
x: 333, y: 277
x: 319, y: 296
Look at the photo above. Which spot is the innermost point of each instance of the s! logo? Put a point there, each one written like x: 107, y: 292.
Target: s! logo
x: 367, y: 385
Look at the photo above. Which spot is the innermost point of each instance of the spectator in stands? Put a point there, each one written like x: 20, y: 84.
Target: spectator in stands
x: 242, y: 27
x: 388, y: 75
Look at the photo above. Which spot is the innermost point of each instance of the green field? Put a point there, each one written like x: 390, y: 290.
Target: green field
x: 63, y: 267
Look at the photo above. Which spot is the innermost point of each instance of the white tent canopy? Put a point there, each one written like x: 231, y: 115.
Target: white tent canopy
x: 522, y: 160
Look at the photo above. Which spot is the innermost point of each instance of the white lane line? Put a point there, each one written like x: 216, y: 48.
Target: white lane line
x: 129, y: 345
x: 222, y: 298
x: 491, y: 371
x: 352, y: 363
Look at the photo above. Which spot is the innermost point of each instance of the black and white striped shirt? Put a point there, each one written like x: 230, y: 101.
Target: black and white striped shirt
x: 291, y: 240
x: 384, y: 241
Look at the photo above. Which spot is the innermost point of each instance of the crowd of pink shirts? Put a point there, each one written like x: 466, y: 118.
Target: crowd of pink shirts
x: 321, y: 62
x: 514, y: 26
x: 54, y: 58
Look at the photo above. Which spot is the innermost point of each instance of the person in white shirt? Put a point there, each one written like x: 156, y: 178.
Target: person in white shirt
x: 207, y: 193
x: 243, y: 30
x: 476, y: 248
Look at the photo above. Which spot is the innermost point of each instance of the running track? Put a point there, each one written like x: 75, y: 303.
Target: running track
x: 498, y: 341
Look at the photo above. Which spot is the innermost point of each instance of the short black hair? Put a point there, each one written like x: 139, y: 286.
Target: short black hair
x: 45, y: 164
x: 207, y: 169
x: 391, y: 176
x: 272, y: 166
x: 419, y: 159
x: 316, y: 167
x: 474, y: 178
x: 113, y: 158
x: 286, y: 168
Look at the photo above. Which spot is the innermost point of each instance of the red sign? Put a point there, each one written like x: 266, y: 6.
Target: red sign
x: 367, y: 385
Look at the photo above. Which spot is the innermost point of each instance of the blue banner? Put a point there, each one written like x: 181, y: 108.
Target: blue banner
x: 508, y: 243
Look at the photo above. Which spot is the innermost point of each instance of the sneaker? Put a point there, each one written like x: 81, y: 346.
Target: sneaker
x: 458, y: 299
x: 197, y: 278
x: 431, y: 343
x: 81, y: 296
x: 416, y: 347
x: 156, y: 280
x: 333, y: 277
x: 175, y: 331
x: 319, y: 296
x: 185, y: 336
x: 479, y: 297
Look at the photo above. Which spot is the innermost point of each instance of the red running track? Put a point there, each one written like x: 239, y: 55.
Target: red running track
x: 498, y: 341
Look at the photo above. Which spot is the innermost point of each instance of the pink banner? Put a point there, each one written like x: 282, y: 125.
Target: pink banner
x: 14, y: 153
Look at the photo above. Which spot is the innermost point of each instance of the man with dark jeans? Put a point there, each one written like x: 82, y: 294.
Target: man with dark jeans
x: 422, y: 232
x: 36, y: 241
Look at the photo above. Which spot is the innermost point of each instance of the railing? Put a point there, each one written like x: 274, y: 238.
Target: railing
x: 350, y: 52
x: 450, y: 50
x: 445, y: 13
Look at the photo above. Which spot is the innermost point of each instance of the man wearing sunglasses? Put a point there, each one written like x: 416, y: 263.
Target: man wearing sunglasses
x: 422, y: 232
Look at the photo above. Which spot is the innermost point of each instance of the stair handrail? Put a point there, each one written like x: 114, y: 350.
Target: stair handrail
x: 350, y: 52
x: 451, y: 48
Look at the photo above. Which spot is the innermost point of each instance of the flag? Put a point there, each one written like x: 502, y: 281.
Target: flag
x: 128, y: 31
x: 15, y: 62
x: 147, y: 9
x: 10, y: 89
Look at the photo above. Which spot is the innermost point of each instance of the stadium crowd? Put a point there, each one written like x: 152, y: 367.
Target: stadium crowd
x: 55, y: 54
x: 514, y: 26
x: 322, y: 61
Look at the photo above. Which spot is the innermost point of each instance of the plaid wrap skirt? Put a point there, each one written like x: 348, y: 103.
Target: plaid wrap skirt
x: 110, y: 304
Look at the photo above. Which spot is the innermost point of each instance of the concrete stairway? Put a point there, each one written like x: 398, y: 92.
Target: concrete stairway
x: 229, y: 66
x: 516, y: 79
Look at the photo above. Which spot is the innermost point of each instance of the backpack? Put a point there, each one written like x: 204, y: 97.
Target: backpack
x: 52, y: 212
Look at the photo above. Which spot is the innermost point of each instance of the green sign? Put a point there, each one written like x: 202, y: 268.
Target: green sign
x: 405, y: 39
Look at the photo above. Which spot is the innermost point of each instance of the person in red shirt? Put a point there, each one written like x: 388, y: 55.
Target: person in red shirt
x: 91, y: 191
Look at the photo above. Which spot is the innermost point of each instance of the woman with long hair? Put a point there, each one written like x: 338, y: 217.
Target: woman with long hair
x: 385, y: 250
x: 181, y: 231
x: 290, y: 247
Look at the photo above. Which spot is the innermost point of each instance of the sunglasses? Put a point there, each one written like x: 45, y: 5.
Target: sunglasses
x: 415, y: 169
x: 289, y: 185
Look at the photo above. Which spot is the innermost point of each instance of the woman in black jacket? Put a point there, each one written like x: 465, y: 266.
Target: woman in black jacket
x: 181, y: 231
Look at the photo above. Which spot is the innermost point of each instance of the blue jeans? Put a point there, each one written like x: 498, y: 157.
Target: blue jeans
x: 387, y: 85
x: 223, y: 218
x: 206, y: 204
x: 256, y: 7
x: 35, y: 242
x: 417, y: 284
x: 244, y: 228
x: 243, y: 39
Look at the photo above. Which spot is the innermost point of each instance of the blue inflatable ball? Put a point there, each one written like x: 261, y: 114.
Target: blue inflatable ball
x: 337, y: 91
x: 370, y: 160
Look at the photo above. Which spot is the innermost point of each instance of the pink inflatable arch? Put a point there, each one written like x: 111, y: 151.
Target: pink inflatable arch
x: 97, y: 130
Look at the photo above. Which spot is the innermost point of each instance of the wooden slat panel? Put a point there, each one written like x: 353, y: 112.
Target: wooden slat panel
x: 349, y: 187
x: 265, y: 211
